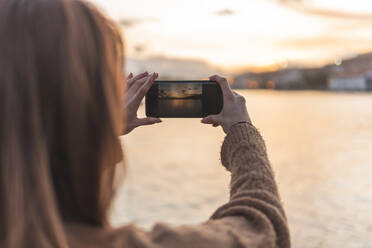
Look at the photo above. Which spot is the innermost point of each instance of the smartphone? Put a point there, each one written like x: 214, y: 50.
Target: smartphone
x: 184, y: 99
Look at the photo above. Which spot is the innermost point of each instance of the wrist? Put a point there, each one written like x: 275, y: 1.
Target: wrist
x: 234, y: 137
x: 241, y: 122
x: 227, y: 128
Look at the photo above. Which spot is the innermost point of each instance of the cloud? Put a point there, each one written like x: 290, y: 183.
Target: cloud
x: 326, y: 42
x: 140, y: 48
x: 303, y: 7
x: 291, y: 1
x: 128, y: 22
x: 131, y: 22
x: 352, y: 26
x: 225, y: 12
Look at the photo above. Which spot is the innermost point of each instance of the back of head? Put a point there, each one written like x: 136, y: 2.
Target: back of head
x: 60, y: 95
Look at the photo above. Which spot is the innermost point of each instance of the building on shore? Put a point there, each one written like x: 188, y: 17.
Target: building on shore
x: 369, y: 81
x: 352, y: 75
x: 347, y: 83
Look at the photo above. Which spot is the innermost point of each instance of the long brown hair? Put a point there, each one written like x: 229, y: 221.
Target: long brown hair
x: 61, y: 85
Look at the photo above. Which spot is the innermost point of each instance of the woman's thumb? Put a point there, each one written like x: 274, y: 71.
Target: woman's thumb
x: 211, y: 119
x: 147, y: 121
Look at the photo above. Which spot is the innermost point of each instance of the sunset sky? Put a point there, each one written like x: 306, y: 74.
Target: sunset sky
x: 245, y: 33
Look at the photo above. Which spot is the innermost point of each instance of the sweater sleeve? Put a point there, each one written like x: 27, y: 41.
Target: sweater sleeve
x: 253, y: 191
x: 253, y: 217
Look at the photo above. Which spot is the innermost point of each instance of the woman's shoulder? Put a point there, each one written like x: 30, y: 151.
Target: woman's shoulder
x: 219, y: 233
x: 80, y: 235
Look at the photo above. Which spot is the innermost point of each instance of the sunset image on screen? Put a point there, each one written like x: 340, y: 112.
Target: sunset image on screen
x: 180, y: 90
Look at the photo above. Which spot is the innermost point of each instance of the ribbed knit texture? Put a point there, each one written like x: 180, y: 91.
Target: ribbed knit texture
x: 253, y: 217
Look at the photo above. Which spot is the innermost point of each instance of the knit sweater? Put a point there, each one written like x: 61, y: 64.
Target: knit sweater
x: 253, y: 217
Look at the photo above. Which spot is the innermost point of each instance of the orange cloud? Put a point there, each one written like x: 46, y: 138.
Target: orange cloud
x: 300, y: 6
x: 131, y: 22
x: 326, y: 41
x: 352, y: 26
x: 225, y: 12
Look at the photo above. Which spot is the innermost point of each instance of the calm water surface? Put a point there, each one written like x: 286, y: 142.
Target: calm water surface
x: 320, y: 145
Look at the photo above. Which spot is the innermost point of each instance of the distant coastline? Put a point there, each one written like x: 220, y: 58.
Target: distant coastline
x: 349, y: 75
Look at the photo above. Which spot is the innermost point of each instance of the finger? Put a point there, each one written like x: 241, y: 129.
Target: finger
x: 237, y: 95
x: 141, y: 92
x: 147, y: 121
x: 133, y: 80
x: 142, y: 75
x: 225, y: 87
x: 137, y: 84
x: 136, y: 78
x: 130, y: 75
x: 131, y: 91
x: 211, y: 119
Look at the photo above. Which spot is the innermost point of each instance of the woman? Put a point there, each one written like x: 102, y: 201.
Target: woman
x: 61, y: 91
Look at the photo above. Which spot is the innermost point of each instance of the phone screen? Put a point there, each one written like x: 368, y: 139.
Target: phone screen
x: 183, y: 99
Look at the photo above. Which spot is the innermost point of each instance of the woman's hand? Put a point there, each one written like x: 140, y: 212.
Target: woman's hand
x: 234, y: 109
x: 137, y: 88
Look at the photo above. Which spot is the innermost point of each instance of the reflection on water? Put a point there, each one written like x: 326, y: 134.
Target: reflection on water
x: 180, y: 107
x: 320, y: 146
x: 179, y: 90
